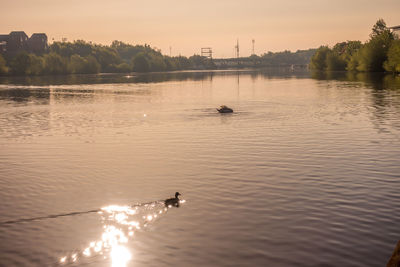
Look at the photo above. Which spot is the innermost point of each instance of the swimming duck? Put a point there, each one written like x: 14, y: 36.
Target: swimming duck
x: 224, y: 109
x: 173, y: 201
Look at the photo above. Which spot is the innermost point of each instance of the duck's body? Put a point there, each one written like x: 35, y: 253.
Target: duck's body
x: 173, y: 201
x: 224, y: 109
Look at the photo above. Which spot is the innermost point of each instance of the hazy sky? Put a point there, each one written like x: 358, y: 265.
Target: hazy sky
x: 188, y: 25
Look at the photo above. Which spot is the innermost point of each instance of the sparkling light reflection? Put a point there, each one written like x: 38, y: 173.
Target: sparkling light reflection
x: 119, y: 226
x: 120, y: 256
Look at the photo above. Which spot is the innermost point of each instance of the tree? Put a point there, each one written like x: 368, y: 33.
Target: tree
x: 36, y: 66
x: 123, y: 68
x: 92, y: 65
x: 156, y: 61
x: 392, y: 63
x: 20, y: 63
x: 140, y: 63
x: 106, y: 57
x: 374, y: 52
x: 55, y: 64
x: 3, y: 66
x: 76, y: 64
x: 318, y: 60
x: 334, y: 62
x: 353, y: 62
x: 378, y: 28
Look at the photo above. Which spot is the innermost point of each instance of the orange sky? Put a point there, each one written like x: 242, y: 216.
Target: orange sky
x: 188, y: 25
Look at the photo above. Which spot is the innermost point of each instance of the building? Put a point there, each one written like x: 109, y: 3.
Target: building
x: 18, y: 41
x: 38, y: 43
x: 3, y: 43
x: 396, y: 31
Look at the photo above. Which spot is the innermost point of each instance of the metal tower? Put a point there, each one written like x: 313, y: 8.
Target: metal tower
x: 237, y: 48
x: 252, y: 51
x: 206, y: 52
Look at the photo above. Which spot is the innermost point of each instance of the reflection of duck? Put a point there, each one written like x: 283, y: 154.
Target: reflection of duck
x: 173, y: 201
x: 224, y: 109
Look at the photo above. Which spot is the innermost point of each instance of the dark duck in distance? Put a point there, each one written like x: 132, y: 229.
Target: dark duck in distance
x: 173, y: 201
x: 224, y: 109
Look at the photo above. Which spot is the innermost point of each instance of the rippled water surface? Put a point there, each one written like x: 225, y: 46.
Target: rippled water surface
x: 305, y: 172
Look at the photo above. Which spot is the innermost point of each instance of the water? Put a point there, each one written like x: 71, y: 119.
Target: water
x: 305, y: 172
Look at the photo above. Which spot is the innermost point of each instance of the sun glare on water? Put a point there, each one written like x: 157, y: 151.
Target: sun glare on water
x: 119, y: 225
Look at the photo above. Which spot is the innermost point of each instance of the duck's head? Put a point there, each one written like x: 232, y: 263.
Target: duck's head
x: 177, y: 194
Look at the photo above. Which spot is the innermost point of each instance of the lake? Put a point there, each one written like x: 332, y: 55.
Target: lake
x: 305, y: 172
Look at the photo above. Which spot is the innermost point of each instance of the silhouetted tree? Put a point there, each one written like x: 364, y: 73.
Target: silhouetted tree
x: 140, y: 63
x: 378, y: 28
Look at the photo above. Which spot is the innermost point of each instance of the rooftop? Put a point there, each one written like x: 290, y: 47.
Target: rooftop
x: 39, y: 34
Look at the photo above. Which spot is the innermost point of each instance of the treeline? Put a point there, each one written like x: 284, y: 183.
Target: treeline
x: 80, y: 57
x: 270, y: 59
x: 380, y: 53
x: 300, y: 57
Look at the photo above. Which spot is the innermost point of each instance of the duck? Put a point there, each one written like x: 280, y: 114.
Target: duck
x: 224, y: 109
x: 173, y: 201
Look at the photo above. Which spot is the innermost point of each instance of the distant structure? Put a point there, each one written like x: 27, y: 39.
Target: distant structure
x: 237, y: 48
x: 396, y: 31
x: 38, y: 43
x: 17, y: 41
x: 3, y: 43
x: 206, y: 52
x: 252, y: 51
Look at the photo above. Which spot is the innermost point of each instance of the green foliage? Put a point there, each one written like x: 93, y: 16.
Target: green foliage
x: 318, y: 60
x: 121, y: 68
x: 285, y: 58
x: 140, y: 63
x: 20, y: 63
x: 353, y: 62
x: 86, y: 65
x: 335, y: 62
x: 376, y: 54
x: 199, y: 62
x: 3, y: 66
x: 76, y: 64
x: 378, y: 28
x: 66, y: 49
x: 27, y: 64
x: 346, y: 49
x: 393, y: 57
x: 127, y: 51
x: 177, y: 63
x: 92, y: 65
x: 55, y: 64
x: 156, y: 61
x: 107, y: 57
x: 83, y: 57
x: 36, y: 66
